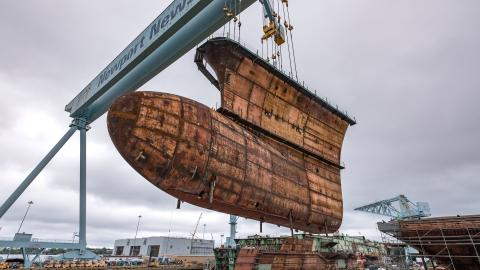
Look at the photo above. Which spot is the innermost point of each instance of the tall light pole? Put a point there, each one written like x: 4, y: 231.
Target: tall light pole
x: 24, y: 216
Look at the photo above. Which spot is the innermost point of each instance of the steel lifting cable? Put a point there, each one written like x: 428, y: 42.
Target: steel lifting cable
x: 261, y: 40
x: 274, y: 44
x: 262, y: 47
x: 235, y: 20
x: 225, y: 11
x: 239, y: 21
x: 290, y: 28
x: 268, y: 53
x: 275, y: 52
x: 229, y: 18
x: 288, y: 40
x: 280, y: 55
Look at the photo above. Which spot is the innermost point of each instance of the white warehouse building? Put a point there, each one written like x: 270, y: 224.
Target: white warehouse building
x: 159, y: 246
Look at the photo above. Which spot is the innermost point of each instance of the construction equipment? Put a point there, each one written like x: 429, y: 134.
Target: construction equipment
x: 233, y: 231
x: 179, y: 28
x: 273, y: 28
x: 399, y: 207
x: 453, y: 242
x: 271, y: 152
x: 196, y: 226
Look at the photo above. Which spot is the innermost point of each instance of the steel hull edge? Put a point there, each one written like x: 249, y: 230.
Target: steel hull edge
x: 454, y: 242
x: 202, y: 157
x: 271, y: 152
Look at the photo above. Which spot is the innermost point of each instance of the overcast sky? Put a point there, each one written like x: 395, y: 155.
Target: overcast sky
x: 408, y: 70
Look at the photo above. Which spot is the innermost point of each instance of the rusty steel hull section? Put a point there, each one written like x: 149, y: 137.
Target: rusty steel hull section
x: 271, y: 152
x: 205, y: 158
x: 261, y: 96
x: 452, y: 241
x: 294, y: 254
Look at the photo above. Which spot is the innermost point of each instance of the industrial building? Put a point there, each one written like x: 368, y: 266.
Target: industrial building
x: 158, y: 246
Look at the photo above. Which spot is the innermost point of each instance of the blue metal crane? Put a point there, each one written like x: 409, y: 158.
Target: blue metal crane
x: 178, y: 29
x: 399, y: 207
x: 233, y: 232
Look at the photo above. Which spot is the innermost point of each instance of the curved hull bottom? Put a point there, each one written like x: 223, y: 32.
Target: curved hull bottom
x: 205, y: 158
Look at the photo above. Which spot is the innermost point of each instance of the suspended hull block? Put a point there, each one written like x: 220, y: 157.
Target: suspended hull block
x: 260, y: 96
x: 205, y: 158
x: 451, y: 241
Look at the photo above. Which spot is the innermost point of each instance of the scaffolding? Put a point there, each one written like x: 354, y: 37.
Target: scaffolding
x: 452, y: 243
x: 398, y: 254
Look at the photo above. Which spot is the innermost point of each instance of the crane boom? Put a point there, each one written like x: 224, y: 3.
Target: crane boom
x: 196, y: 226
x: 406, y: 209
x: 179, y: 28
x: 274, y: 28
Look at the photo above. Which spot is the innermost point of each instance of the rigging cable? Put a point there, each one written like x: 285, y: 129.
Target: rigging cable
x: 286, y: 24
x: 280, y: 53
x: 225, y: 10
x: 239, y: 21
x: 290, y: 28
x: 263, y: 24
x: 235, y: 20
x: 268, y: 52
x: 262, y: 47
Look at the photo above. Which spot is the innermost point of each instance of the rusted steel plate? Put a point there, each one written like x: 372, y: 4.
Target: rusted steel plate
x: 294, y: 254
x: 255, y: 92
x: 207, y: 159
x: 447, y: 239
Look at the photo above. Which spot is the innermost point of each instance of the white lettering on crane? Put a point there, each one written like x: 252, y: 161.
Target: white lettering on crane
x: 147, y: 38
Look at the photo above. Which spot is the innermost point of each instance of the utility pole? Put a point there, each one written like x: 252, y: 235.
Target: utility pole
x: 203, y: 236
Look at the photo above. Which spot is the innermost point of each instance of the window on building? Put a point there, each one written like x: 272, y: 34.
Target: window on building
x: 134, y: 250
x: 119, y: 250
x: 154, y: 251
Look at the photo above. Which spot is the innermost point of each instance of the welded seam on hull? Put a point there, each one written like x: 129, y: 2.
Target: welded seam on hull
x: 224, y: 160
x: 309, y: 220
x: 301, y: 168
x: 210, y: 145
x: 246, y: 156
x: 272, y: 79
x: 245, y: 149
x: 181, y: 123
x: 251, y: 211
x: 303, y: 110
x: 246, y: 52
x: 269, y: 194
x: 304, y: 157
x: 274, y: 136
